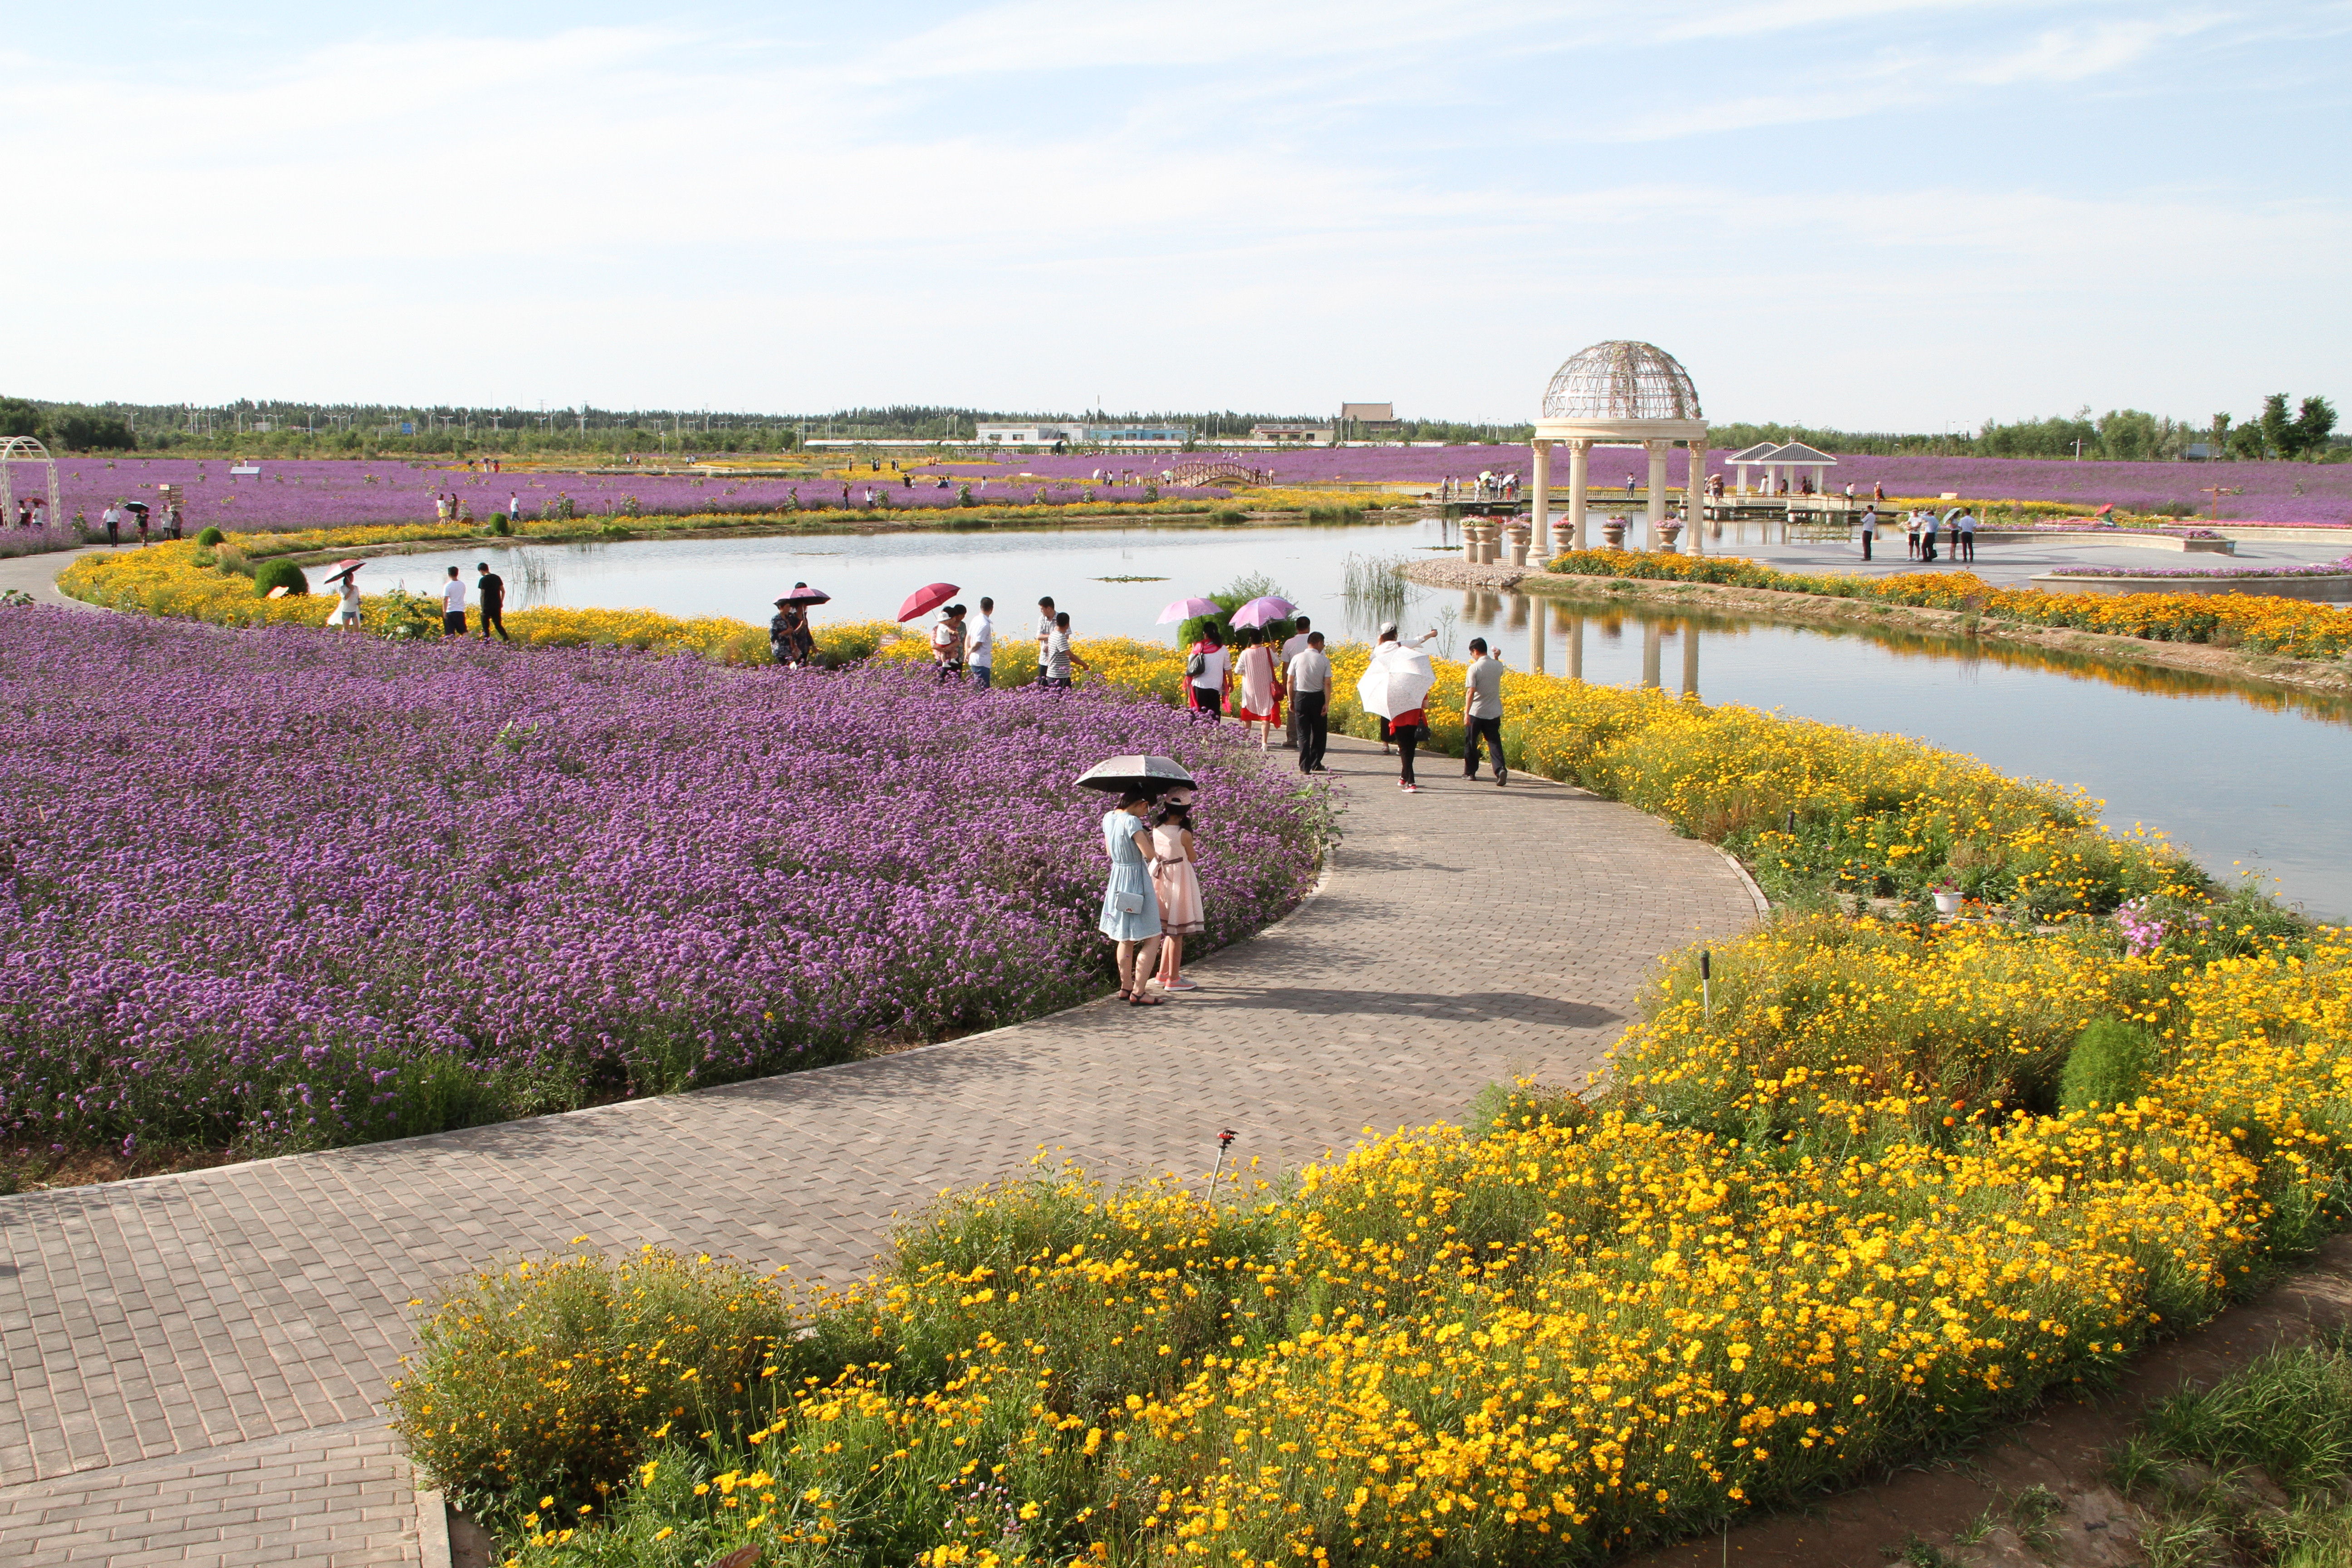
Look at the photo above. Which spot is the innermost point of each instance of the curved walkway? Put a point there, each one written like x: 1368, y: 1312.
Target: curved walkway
x: 196, y: 1363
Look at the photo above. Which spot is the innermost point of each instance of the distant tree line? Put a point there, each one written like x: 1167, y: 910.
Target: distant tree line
x: 277, y: 428
x: 66, y: 427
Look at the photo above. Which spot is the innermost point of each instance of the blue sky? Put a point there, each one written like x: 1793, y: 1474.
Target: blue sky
x: 1868, y: 213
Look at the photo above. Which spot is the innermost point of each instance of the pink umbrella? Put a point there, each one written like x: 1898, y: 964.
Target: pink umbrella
x: 927, y: 598
x: 1185, y: 609
x: 1257, y: 612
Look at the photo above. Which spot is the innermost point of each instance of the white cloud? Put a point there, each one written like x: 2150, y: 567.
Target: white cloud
x: 2078, y: 53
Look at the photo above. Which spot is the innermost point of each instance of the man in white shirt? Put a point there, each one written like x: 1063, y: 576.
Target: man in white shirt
x: 1295, y: 645
x: 453, y: 606
x: 1482, y: 712
x: 1054, y: 669
x: 1309, y: 677
x: 979, y: 646
x: 112, y: 517
x: 1045, y: 634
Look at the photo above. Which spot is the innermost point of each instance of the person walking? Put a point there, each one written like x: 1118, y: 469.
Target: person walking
x: 514, y: 507
x: 1130, y: 908
x: 1179, y: 887
x: 1966, y: 535
x: 1206, y: 673
x: 1309, y: 675
x: 1869, y: 530
x: 1482, y: 712
x: 141, y: 515
x: 1911, y: 535
x: 1878, y: 490
x: 979, y: 646
x: 782, y: 628
x: 1054, y: 667
x: 947, y: 643
x: 1257, y: 686
x: 1403, y: 730
x: 112, y: 517
x: 1295, y: 645
x: 453, y: 607
x: 491, y: 590
x: 1045, y: 614
x: 347, y: 599
x: 1927, y: 527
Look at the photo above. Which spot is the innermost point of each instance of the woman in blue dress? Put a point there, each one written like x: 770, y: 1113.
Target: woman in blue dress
x: 1130, y: 911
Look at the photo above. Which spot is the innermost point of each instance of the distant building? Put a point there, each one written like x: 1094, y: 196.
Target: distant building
x: 1368, y: 416
x: 1298, y: 435
x: 1046, y: 433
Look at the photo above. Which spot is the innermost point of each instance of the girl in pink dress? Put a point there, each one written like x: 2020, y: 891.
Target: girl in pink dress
x: 1258, y: 699
x: 1179, y: 887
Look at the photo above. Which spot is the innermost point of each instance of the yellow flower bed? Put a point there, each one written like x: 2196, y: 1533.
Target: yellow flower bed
x: 1819, y: 1224
x: 2296, y: 628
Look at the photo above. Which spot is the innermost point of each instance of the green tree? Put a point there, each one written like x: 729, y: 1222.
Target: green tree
x: 2313, y: 424
x: 87, y: 430
x: 19, y: 417
x: 2278, y: 426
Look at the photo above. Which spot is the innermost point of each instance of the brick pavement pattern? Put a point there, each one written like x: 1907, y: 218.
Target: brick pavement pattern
x: 196, y: 1364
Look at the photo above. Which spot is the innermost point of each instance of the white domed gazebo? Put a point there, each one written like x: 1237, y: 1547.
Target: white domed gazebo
x: 1619, y: 393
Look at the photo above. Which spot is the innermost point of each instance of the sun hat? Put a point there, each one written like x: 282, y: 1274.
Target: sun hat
x: 1388, y: 629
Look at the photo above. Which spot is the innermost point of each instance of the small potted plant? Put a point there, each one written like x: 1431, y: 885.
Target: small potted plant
x: 1948, y: 898
x: 1613, y: 530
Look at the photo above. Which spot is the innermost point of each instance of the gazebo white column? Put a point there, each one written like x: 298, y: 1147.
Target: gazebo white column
x: 1697, y: 530
x: 1541, y: 543
x: 1580, y: 479
x: 1657, y: 497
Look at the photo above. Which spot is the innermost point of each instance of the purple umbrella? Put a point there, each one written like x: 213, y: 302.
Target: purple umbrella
x: 1185, y: 609
x: 1257, y: 612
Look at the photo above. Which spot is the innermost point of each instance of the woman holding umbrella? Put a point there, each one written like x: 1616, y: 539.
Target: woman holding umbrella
x: 1130, y: 910
x: 345, y: 580
x: 1395, y: 685
x: 789, y: 636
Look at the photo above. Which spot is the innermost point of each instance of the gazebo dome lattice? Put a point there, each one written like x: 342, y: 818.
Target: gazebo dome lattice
x: 1622, y: 380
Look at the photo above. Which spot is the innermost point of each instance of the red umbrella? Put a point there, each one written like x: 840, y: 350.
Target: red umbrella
x: 819, y: 596
x: 929, y: 598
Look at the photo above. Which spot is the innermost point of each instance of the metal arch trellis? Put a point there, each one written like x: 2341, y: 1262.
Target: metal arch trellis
x: 25, y: 449
x: 1622, y: 380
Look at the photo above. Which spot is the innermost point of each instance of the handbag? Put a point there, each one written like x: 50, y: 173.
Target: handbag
x: 1196, y: 666
x: 1127, y: 903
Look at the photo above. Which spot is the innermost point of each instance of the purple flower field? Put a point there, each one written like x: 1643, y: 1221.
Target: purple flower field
x: 336, y: 493
x: 277, y: 890
x: 2274, y: 492
x: 2318, y: 569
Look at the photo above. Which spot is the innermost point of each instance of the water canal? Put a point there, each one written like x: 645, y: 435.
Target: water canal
x: 2249, y: 779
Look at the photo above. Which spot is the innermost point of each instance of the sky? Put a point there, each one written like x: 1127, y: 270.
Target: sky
x: 1866, y: 214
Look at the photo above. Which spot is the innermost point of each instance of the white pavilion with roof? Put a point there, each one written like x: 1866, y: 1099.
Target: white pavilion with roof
x: 1617, y: 394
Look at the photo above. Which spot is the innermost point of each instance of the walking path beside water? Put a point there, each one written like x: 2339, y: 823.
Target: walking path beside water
x: 196, y: 1365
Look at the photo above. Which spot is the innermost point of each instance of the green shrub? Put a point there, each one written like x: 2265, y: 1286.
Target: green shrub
x: 211, y: 536
x: 2110, y: 1062
x: 550, y: 1374
x: 279, y: 574
x: 1228, y: 515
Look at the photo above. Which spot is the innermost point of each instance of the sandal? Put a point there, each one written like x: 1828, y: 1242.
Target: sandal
x: 1141, y: 999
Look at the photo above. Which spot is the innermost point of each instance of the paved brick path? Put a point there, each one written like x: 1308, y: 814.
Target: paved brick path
x: 195, y: 1364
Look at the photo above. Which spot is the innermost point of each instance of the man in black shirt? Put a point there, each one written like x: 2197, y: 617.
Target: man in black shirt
x: 491, y: 590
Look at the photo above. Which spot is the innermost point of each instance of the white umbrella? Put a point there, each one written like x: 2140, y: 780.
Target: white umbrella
x: 1397, y: 680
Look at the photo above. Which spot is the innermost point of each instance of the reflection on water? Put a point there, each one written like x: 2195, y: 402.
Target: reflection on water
x: 2245, y: 777
x: 2239, y: 773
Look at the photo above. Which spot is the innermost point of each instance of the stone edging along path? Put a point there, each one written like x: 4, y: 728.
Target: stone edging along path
x: 196, y: 1364
x: 2331, y: 676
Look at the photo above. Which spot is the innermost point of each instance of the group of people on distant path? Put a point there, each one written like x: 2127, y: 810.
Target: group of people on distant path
x: 1919, y: 530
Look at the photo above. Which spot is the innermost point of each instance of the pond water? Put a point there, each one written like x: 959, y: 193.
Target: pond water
x: 2248, y: 779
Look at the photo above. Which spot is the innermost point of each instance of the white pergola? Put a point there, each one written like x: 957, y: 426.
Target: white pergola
x: 1617, y: 394
x: 25, y: 449
x: 1739, y: 462
x: 1795, y: 455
